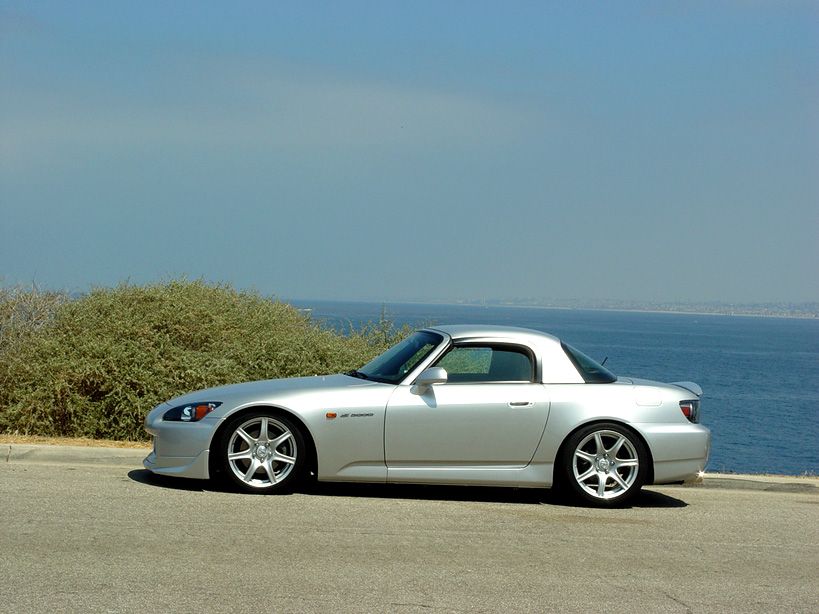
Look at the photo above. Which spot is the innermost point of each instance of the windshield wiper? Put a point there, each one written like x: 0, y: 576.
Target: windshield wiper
x: 357, y: 374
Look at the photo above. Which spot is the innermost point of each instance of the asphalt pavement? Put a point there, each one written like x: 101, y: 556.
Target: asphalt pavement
x: 93, y: 531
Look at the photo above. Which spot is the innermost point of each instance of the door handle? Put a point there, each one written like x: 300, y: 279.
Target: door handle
x: 520, y: 403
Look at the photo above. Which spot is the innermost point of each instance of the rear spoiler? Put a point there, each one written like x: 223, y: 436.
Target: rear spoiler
x: 689, y: 386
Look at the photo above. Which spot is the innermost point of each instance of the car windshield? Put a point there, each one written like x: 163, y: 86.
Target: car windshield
x: 591, y: 371
x: 391, y: 366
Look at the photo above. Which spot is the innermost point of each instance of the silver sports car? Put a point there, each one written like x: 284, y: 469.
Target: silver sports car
x: 483, y: 405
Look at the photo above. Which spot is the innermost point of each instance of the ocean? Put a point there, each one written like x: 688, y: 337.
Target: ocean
x: 760, y: 376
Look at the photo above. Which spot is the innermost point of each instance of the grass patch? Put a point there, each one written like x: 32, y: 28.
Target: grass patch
x: 92, y: 367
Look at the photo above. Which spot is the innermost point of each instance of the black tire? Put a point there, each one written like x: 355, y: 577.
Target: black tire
x: 603, y: 464
x: 263, y: 463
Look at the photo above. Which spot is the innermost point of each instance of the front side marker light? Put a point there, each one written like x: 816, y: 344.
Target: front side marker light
x: 193, y: 412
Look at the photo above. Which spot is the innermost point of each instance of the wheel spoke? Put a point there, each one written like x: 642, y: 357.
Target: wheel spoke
x: 585, y: 476
x: 263, y: 429
x: 616, y: 477
x: 254, y: 465
x: 601, y: 484
x: 598, y: 441
x: 584, y: 455
x: 268, y: 469
x: 243, y: 454
x: 616, y: 447
x: 281, y: 439
x: 629, y: 462
x: 244, y: 435
x: 283, y: 458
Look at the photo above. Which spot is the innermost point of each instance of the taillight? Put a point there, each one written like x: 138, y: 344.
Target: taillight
x: 691, y: 410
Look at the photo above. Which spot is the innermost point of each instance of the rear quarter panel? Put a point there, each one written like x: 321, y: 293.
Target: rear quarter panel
x: 652, y: 410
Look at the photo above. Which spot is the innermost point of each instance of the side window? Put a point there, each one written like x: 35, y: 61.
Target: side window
x: 486, y: 363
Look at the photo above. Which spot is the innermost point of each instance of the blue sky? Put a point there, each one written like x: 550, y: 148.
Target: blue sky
x: 412, y: 151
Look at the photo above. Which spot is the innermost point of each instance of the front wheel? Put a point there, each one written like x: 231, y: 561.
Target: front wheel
x: 604, y: 464
x: 262, y: 453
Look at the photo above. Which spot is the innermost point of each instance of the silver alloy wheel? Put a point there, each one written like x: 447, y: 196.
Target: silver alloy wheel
x: 605, y: 464
x: 262, y: 452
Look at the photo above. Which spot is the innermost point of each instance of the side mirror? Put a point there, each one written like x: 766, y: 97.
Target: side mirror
x: 433, y: 375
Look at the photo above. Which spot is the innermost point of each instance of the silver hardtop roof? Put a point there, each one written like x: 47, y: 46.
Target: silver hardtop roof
x: 470, y: 331
x: 553, y: 365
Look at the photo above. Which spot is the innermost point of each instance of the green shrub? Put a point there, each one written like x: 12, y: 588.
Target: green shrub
x: 94, y: 366
x: 23, y: 312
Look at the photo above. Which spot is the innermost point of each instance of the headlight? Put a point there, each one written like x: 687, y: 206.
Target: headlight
x: 191, y: 412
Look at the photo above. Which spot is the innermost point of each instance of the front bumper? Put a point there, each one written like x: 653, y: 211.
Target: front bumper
x: 181, y: 449
x: 195, y: 467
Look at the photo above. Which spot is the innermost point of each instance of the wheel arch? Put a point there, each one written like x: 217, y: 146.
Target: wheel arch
x: 625, y: 425
x: 312, y: 453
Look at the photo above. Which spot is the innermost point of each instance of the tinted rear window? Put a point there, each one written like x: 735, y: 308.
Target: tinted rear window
x: 590, y: 370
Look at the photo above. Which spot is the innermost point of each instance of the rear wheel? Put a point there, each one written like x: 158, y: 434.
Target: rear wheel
x: 262, y: 452
x: 604, y: 464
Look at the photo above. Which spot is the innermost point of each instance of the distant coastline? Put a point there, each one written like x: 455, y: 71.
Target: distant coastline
x: 803, y: 312
x: 799, y: 311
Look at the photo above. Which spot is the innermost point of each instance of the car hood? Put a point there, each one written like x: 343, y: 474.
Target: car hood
x: 265, y: 390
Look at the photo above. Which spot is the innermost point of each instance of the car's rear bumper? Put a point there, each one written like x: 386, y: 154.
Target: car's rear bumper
x: 680, y: 452
x: 672, y: 472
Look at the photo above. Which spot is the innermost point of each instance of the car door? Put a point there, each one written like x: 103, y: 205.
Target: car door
x: 488, y: 416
